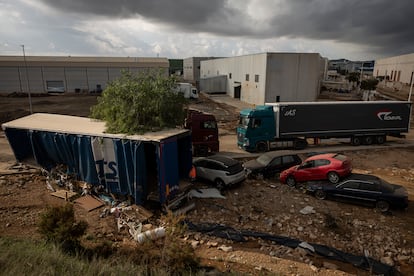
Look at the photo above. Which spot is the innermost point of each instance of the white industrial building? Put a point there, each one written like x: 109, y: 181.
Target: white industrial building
x: 396, y: 69
x: 39, y: 74
x: 191, y: 69
x: 265, y: 77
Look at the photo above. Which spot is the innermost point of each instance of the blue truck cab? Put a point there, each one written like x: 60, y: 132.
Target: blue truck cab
x: 256, y: 127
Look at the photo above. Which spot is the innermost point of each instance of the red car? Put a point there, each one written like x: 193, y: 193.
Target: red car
x: 331, y: 166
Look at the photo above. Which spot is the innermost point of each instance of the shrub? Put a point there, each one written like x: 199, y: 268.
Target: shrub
x: 58, y: 225
x: 171, y: 253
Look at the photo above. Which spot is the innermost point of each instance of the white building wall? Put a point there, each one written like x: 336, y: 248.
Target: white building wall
x: 281, y: 76
x: 293, y: 77
x: 398, y: 68
x: 236, y: 69
x: 188, y: 72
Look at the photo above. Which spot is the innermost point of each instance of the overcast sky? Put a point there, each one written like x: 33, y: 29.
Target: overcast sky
x: 352, y: 29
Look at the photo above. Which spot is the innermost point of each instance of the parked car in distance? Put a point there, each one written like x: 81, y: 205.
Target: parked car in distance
x: 330, y: 166
x: 270, y: 163
x: 221, y: 170
x: 363, y: 189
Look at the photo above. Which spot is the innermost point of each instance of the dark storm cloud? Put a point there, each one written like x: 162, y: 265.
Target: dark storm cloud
x: 178, y: 12
x: 382, y: 25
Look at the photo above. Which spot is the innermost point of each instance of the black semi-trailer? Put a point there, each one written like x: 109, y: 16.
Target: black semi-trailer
x: 279, y: 125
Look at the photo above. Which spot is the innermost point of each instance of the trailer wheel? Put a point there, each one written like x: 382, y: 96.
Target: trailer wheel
x: 380, y: 139
x: 290, y: 181
x: 261, y: 147
x: 356, y: 140
x: 368, y: 140
x: 333, y: 177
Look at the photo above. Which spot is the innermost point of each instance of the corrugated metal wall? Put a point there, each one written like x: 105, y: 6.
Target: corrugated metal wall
x: 10, y: 79
x: 76, y: 78
x: 214, y: 84
x: 76, y: 74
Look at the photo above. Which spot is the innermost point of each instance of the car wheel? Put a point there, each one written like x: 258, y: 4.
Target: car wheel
x: 382, y: 206
x: 261, y: 147
x: 260, y: 176
x: 290, y: 181
x: 333, y: 177
x: 356, y: 141
x: 319, y: 194
x: 219, y: 184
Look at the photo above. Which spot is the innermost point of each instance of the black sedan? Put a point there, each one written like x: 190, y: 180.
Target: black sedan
x: 363, y: 189
x: 269, y: 164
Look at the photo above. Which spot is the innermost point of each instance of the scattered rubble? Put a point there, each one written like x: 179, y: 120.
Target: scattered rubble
x: 256, y: 205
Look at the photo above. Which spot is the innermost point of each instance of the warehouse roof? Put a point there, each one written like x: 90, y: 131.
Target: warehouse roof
x: 82, y: 61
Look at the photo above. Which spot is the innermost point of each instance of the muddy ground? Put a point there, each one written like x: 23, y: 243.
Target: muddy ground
x: 259, y: 205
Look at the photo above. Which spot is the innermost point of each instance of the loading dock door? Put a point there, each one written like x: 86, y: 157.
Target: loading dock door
x: 237, y: 90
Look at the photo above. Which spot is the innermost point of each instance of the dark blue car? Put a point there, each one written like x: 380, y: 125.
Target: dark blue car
x: 363, y: 189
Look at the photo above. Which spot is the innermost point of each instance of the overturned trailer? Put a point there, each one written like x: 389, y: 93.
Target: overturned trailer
x: 148, y: 166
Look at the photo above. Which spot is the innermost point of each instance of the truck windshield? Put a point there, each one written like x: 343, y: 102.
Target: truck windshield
x: 209, y: 125
x: 244, y: 121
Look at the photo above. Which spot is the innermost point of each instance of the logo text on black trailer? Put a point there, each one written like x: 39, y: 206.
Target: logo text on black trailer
x: 291, y: 113
x: 385, y: 115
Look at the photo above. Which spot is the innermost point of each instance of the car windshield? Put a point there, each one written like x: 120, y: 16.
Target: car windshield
x: 340, y: 157
x: 264, y: 159
x: 244, y: 121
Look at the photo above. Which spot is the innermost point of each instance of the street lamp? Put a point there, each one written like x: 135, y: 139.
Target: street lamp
x: 411, y: 88
x: 27, y: 79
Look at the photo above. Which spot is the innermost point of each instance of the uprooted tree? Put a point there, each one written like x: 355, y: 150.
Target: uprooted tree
x: 136, y: 103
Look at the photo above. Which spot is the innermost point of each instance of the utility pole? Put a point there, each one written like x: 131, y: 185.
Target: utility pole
x: 27, y: 79
x: 411, y: 88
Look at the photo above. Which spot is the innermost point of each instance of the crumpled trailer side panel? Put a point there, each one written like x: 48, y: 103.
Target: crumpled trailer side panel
x: 119, y: 164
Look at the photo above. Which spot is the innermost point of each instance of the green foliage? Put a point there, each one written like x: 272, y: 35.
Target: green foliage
x: 353, y: 77
x: 136, y: 103
x: 370, y: 84
x: 58, y: 225
x: 29, y: 257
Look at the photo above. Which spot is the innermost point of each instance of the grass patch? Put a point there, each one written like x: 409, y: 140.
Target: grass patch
x: 26, y: 257
x: 166, y: 256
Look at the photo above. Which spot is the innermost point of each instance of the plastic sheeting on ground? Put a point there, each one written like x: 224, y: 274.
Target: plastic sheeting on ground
x: 206, y: 193
x: 228, y: 232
